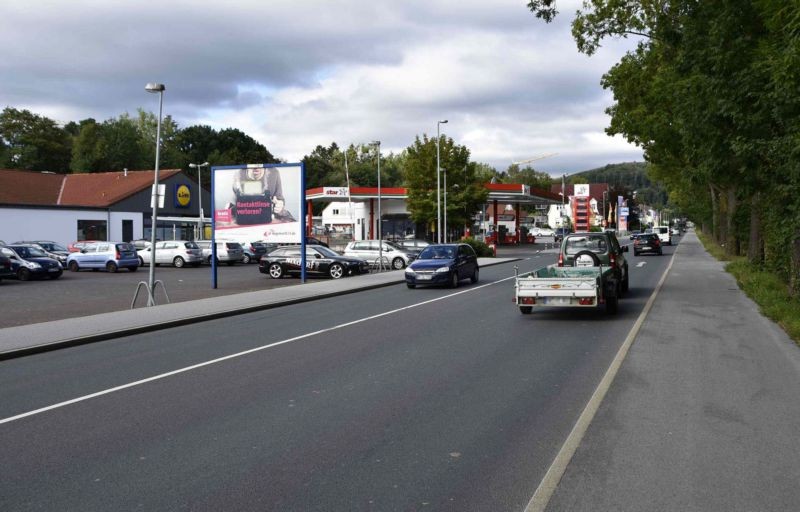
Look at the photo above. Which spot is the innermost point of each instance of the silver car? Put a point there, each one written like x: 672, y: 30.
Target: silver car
x: 173, y: 252
x: 227, y: 252
x: 370, y: 250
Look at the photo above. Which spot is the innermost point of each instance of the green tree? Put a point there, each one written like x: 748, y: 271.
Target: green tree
x: 33, y: 142
x: 464, y: 197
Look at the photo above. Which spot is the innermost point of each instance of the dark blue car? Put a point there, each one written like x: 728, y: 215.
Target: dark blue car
x: 443, y: 264
x: 28, y: 261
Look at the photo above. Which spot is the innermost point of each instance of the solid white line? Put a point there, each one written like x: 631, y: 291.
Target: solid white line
x: 549, y: 483
x: 240, y: 354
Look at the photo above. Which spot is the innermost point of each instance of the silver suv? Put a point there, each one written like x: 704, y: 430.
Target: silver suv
x: 173, y: 252
x: 227, y: 252
x: 370, y: 250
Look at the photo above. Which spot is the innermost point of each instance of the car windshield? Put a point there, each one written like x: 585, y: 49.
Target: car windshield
x: 328, y: 253
x: 52, y: 247
x: 437, y: 252
x: 30, y: 252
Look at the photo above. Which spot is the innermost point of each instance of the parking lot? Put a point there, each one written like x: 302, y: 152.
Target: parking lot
x: 87, y: 292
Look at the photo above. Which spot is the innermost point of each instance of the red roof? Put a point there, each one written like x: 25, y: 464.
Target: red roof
x: 93, y: 189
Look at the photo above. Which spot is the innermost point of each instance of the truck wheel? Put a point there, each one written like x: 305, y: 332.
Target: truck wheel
x: 582, y: 255
x: 526, y: 310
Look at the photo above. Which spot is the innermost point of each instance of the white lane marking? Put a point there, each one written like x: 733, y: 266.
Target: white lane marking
x: 240, y: 354
x: 549, y: 483
x: 641, y: 264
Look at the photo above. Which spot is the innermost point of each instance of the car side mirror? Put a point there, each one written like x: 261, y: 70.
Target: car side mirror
x: 83, y: 251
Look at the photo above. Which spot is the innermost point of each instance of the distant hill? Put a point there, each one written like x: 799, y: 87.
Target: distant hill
x: 625, y: 176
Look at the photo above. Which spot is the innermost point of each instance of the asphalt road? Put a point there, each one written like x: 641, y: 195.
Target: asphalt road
x: 388, y: 399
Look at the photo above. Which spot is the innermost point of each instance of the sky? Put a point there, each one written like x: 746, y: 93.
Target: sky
x: 295, y: 74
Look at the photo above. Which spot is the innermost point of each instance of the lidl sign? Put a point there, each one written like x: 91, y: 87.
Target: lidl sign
x: 183, y: 196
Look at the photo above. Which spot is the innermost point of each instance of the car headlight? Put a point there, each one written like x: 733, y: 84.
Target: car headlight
x: 409, y: 271
x: 442, y: 270
x: 32, y: 265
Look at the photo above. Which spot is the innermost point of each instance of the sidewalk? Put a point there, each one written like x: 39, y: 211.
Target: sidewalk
x: 704, y: 413
x: 28, y: 339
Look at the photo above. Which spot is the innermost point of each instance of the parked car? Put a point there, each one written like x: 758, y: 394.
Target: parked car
x: 595, y: 249
x: 371, y: 250
x: 110, y: 256
x: 30, y: 262
x: 443, y: 264
x: 227, y: 252
x: 142, y: 243
x: 647, y: 242
x: 80, y: 244
x: 413, y: 245
x: 674, y: 231
x: 635, y: 234
x: 51, y: 249
x: 310, y: 240
x: 320, y: 261
x: 6, y: 270
x: 177, y: 253
x: 539, y: 231
x: 253, y: 251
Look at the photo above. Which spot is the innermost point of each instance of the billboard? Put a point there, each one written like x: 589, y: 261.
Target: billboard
x: 582, y: 190
x: 258, y: 202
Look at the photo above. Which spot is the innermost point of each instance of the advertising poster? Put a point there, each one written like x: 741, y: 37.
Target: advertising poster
x: 258, y: 202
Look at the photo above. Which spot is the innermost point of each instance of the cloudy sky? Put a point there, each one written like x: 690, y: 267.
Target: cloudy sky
x: 295, y: 74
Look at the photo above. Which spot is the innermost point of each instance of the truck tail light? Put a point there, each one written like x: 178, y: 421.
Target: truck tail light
x: 527, y: 300
x: 586, y: 301
x: 560, y: 259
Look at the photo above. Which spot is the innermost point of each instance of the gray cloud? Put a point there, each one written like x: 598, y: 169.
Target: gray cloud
x: 298, y: 73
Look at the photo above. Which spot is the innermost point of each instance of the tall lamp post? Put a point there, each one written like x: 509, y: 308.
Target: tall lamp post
x: 444, y: 221
x: 438, y: 186
x: 377, y: 144
x: 199, y: 199
x: 155, y: 88
x: 563, y: 198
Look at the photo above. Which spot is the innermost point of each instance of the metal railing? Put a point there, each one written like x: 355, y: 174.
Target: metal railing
x: 151, y: 297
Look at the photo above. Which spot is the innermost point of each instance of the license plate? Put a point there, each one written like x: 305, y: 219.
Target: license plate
x: 424, y: 277
x: 52, y: 270
x: 644, y: 247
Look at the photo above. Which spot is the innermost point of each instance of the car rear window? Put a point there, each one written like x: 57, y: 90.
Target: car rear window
x: 233, y: 245
x: 125, y: 247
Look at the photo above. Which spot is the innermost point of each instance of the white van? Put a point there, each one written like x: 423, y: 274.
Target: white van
x: 663, y: 234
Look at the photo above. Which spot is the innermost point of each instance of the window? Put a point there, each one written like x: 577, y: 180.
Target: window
x: 92, y: 230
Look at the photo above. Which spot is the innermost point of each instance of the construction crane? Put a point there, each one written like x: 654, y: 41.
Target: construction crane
x: 540, y: 157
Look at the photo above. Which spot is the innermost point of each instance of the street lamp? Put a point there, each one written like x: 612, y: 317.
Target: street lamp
x: 155, y: 88
x: 377, y: 144
x: 563, y: 197
x: 438, y: 186
x: 199, y: 199
x: 444, y: 228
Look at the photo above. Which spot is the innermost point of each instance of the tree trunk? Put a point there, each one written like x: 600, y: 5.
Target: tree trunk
x: 755, y: 246
x: 730, y: 232
x: 794, y: 269
x: 714, y: 214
